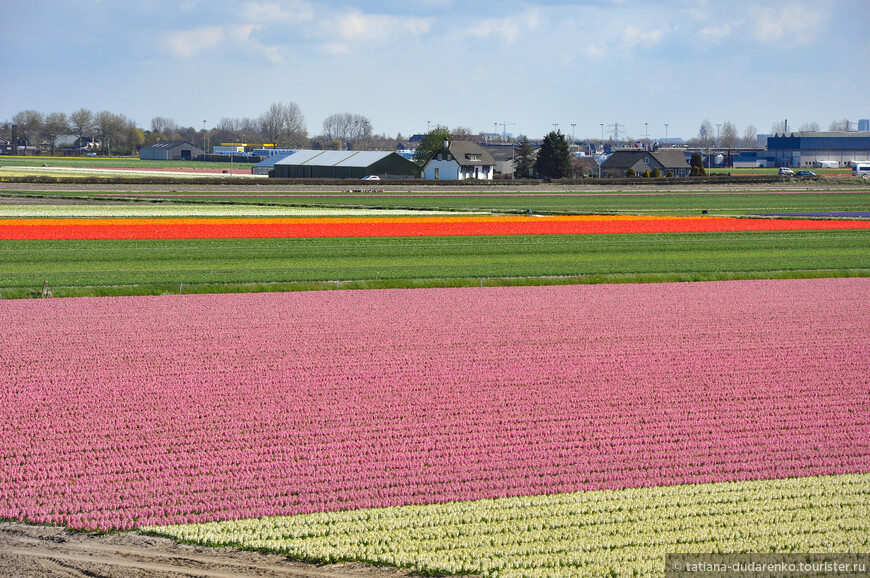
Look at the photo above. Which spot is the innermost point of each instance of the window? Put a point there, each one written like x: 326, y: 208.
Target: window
x: 646, y: 160
x: 436, y: 173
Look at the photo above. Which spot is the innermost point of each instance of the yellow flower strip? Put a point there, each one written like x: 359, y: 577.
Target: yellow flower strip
x: 579, y: 534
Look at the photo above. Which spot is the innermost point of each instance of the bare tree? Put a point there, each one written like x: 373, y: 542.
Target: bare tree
x: 779, y: 127
x: 82, y: 123
x: 282, y: 124
x: 462, y: 133
x: 29, y: 124
x: 844, y: 125
x: 728, y: 135
x: 109, y: 127
x: 163, y: 125
x: 347, y: 128
x: 705, y: 134
x: 809, y: 127
x: 56, y: 124
x: 750, y: 136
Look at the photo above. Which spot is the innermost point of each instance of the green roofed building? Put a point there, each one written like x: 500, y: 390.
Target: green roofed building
x: 167, y: 150
x: 313, y: 164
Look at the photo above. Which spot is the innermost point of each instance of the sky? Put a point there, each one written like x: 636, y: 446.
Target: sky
x: 522, y: 67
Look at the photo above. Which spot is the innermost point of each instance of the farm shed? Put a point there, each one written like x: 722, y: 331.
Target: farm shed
x: 166, y: 150
x: 640, y: 160
x: 314, y: 164
x: 267, y: 165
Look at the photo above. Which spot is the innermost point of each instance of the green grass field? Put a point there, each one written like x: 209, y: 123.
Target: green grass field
x: 216, y: 265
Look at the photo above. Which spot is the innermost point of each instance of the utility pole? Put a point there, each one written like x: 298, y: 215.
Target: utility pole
x: 666, y: 133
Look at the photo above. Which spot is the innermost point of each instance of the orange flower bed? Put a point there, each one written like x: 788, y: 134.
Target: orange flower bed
x: 49, y: 229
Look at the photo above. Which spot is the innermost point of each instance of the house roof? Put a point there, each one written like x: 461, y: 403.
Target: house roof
x: 167, y: 144
x: 335, y: 158
x: 501, y: 152
x: 464, y: 150
x: 670, y: 159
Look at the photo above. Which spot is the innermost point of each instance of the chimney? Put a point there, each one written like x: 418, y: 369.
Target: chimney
x: 446, y: 143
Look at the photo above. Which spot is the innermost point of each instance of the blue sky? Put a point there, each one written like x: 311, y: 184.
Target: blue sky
x: 406, y: 65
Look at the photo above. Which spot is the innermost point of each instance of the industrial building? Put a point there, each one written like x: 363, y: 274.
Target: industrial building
x: 318, y: 164
x: 809, y: 149
x: 166, y: 150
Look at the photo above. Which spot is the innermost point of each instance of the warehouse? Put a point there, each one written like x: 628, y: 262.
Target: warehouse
x: 809, y: 149
x: 314, y: 164
x: 167, y: 150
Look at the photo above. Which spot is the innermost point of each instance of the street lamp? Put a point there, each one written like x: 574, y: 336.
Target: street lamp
x: 602, y: 132
x: 204, y: 146
x: 573, y: 124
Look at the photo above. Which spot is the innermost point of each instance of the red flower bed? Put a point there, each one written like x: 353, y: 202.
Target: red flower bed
x: 46, y: 229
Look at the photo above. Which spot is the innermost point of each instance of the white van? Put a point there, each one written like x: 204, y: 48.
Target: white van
x: 861, y: 170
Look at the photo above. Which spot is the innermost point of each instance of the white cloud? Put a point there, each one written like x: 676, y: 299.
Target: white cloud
x: 793, y: 24
x: 188, y: 43
x: 509, y: 29
x: 286, y: 11
x: 716, y: 33
x: 634, y: 36
x: 359, y: 26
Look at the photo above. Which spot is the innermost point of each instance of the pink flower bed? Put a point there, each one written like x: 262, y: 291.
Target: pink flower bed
x: 122, y: 412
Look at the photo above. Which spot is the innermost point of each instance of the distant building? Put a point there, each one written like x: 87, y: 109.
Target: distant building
x: 459, y: 160
x: 166, y: 150
x: 503, y: 155
x: 809, y: 149
x: 318, y: 164
x: 266, y: 166
x: 864, y: 125
x: 668, y: 160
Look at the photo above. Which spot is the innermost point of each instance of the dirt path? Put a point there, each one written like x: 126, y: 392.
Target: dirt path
x: 49, y: 551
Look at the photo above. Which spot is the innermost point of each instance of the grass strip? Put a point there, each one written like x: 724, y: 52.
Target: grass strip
x: 143, y: 267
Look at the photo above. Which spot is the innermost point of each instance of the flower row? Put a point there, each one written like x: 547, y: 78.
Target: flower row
x: 582, y: 534
x: 117, y: 413
x: 50, y: 229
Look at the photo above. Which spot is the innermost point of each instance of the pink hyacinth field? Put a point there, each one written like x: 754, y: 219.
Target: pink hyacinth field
x: 118, y: 413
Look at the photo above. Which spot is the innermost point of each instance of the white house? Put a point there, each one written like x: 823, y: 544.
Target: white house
x: 459, y: 161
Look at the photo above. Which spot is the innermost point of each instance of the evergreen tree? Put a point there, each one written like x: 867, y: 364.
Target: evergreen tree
x: 554, y: 159
x: 523, y: 157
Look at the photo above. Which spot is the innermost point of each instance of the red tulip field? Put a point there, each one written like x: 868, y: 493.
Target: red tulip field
x: 204, y: 228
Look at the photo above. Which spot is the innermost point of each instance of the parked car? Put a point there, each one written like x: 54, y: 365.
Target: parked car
x: 371, y: 178
x: 786, y: 171
x: 806, y: 174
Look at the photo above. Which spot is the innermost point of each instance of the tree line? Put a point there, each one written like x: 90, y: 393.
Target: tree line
x: 282, y: 125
